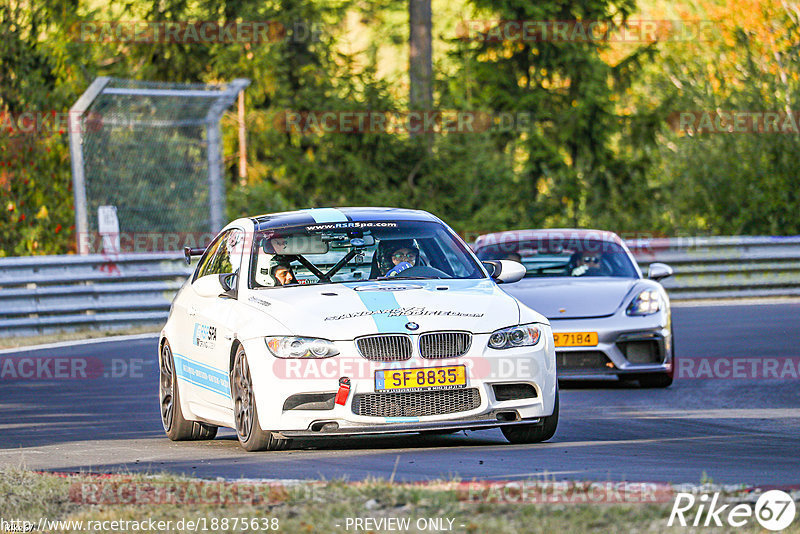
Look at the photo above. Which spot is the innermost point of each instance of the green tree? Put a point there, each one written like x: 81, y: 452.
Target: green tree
x: 580, y: 163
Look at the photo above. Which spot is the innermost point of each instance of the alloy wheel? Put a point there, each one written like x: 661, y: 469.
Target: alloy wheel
x: 243, y: 397
x: 166, y: 387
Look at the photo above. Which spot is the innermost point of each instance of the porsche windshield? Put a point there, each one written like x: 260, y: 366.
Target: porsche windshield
x: 354, y: 251
x: 546, y: 257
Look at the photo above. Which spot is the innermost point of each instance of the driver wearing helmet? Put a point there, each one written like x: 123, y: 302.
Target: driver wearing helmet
x: 277, y: 272
x: 282, y: 273
x: 396, y: 256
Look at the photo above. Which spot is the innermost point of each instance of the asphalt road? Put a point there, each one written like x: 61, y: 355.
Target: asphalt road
x: 727, y: 430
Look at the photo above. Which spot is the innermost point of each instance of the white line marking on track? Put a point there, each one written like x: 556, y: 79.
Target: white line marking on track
x: 76, y: 342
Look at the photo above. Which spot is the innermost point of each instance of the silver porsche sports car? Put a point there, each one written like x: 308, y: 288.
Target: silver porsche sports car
x: 607, y: 318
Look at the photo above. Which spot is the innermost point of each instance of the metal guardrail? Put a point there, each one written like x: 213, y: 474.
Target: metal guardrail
x: 41, y: 294
x: 725, y: 267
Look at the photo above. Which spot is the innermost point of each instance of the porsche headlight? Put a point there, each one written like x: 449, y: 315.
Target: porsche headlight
x: 516, y: 336
x: 301, y: 347
x: 647, y: 302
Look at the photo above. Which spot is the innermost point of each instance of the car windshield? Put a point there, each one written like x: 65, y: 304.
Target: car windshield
x: 354, y: 251
x: 558, y: 257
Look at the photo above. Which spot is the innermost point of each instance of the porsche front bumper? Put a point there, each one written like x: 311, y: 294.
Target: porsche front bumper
x: 626, y: 345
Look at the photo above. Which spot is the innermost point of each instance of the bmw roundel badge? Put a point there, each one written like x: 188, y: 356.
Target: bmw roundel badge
x: 412, y: 326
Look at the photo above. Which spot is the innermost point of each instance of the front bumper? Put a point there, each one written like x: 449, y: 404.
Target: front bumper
x: 626, y: 345
x: 482, y: 422
x: 276, y: 381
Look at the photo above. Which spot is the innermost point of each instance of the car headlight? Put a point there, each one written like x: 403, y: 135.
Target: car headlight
x: 301, y: 347
x: 516, y: 336
x: 647, y: 302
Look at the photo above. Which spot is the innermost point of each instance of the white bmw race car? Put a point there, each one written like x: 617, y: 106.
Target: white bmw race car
x: 352, y: 321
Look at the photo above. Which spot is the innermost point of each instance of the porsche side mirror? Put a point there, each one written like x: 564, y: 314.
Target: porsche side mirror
x: 505, y: 271
x: 659, y: 271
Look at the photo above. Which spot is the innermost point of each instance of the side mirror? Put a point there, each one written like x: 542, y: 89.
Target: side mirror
x: 505, y: 271
x: 228, y: 283
x: 217, y: 285
x: 188, y: 252
x: 659, y: 271
x: 209, y: 286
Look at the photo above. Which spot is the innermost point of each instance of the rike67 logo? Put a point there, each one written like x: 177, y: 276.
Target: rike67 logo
x: 774, y: 510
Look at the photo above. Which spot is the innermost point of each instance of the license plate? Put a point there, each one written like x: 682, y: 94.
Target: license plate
x: 431, y: 378
x: 575, y: 339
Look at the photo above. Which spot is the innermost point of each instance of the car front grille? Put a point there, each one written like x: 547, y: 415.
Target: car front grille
x: 416, y: 404
x: 444, y: 344
x: 388, y: 348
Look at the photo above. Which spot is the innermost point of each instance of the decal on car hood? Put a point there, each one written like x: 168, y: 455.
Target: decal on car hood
x: 382, y: 287
x: 346, y: 311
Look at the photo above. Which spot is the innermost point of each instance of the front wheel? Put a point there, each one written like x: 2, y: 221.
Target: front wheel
x: 177, y: 427
x: 248, y: 430
x: 533, y: 433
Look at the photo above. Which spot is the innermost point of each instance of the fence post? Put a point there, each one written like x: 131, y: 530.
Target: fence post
x: 216, y: 187
x: 216, y: 183
x: 76, y: 156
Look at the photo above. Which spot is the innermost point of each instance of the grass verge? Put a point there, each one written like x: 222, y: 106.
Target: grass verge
x: 329, y: 507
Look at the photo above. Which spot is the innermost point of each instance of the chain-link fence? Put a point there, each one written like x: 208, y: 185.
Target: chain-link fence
x: 153, y: 150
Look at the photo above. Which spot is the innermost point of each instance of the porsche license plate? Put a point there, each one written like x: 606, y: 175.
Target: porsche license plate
x: 575, y: 339
x: 431, y: 378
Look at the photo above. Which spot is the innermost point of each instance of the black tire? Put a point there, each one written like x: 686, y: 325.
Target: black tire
x: 248, y: 430
x: 536, y: 433
x: 176, y: 426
